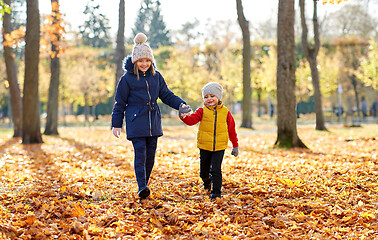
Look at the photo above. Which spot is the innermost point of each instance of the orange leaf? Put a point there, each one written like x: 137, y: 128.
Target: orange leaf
x: 78, y: 211
x: 30, y: 219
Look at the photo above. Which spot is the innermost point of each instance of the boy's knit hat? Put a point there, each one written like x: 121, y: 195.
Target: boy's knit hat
x: 141, y: 48
x: 212, y: 88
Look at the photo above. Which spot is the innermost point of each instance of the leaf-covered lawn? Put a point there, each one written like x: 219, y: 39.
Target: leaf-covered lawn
x: 81, y: 185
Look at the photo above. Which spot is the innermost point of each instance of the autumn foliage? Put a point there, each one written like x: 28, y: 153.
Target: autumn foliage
x: 332, y: 1
x: 81, y: 185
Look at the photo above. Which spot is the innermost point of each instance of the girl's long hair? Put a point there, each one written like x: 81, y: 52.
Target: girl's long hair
x: 136, y: 70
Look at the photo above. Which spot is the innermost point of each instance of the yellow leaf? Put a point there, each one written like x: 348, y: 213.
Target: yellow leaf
x: 346, y: 219
x: 285, y: 181
x: 225, y: 238
x: 258, y: 190
x: 168, y: 229
x: 368, y: 215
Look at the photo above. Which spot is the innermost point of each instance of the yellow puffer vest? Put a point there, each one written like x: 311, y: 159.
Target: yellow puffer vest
x: 213, y: 129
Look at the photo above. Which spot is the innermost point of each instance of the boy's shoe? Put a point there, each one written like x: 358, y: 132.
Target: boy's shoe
x: 207, y: 186
x: 215, y: 196
x: 144, y: 193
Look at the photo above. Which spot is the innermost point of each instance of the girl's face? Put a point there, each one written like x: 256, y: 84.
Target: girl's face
x: 143, y: 64
x: 210, y: 100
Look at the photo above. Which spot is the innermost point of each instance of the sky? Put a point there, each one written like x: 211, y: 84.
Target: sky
x: 176, y: 12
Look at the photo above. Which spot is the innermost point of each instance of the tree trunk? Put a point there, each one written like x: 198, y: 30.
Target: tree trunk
x: 259, y: 110
x: 311, y: 55
x: 354, y: 83
x: 247, y: 90
x: 93, y: 113
x: 64, y: 113
x: 53, y: 101
x: 31, y: 127
x: 11, y: 69
x: 120, y: 48
x: 86, y: 108
x: 287, y: 136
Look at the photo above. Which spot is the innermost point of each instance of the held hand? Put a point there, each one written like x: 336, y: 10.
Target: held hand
x: 235, y: 151
x: 116, y: 132
x: 184, y: 109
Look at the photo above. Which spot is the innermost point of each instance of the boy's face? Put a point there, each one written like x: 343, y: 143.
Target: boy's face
x: 210, y: 100
x: 143, y: 64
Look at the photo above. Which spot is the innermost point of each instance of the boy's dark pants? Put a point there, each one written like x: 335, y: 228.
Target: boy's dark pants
x: 144, y: 159
x: 211, y: 163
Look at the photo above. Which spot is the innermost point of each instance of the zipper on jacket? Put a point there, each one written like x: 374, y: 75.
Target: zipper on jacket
x: 149, y: 102
x: 215, y: 126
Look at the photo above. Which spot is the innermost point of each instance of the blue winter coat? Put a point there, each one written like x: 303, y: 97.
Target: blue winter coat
x: 136, y: 101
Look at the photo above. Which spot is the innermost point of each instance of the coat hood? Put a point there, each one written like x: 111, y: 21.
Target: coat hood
x: 128, y: 65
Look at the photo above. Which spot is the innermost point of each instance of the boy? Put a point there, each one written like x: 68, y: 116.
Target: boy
x: 216, y: 126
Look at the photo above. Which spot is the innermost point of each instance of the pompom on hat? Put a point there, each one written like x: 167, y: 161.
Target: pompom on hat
x: 141, y: 48
x: 214, y: 89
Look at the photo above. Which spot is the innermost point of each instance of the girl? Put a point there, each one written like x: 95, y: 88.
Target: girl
x: 135, y: 100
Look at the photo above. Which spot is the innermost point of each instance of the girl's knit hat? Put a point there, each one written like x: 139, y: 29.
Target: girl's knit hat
x: 214, y: 89
x: 141, y: 48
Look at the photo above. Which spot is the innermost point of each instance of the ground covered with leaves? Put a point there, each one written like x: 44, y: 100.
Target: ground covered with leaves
x: 80, y: 185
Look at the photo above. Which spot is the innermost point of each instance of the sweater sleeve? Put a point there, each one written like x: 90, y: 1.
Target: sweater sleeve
x: 193, y: 118
x: 231, y: 130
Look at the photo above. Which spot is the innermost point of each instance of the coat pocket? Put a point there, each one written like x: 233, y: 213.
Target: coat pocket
x: 133, y: 116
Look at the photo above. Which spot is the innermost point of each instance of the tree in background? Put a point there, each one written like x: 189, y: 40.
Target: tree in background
x: 247, y: 90
x: 179, y: 71
x: 188, y: 33
x: 351, y: 52
x: 328, y: 72
x: 151, y: 22
x: 92, y: 81
x: 55, y: 31
x: 17, y: 36
x: 311, y: 54
x: 265, y: 71
x: 95, y: 30
x: 159, y: 34
x: 4, y: 8
x: 287, y: 135
x: 31, y: 127
x: 230, y: 71
x: 11, y: 69
x: 353, y: 19
x: 303, y: 85
x: 120, y: 51
x: 329, y: 68
x: 143, y: 19
x: 368, y: 70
